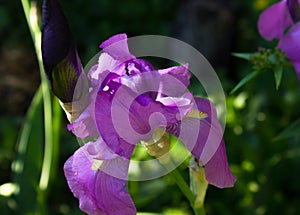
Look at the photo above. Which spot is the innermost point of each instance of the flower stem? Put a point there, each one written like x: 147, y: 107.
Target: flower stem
x: 179, y: 180
x: 183, y: 186
x: 200, y: 210
x: 30, y: 11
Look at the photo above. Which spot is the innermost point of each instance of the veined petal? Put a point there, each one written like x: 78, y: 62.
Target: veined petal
x: 290, y: 44
x: 105, y: 124
x: 274, y: 20
x: 125, y: 117
x: 99, y: 193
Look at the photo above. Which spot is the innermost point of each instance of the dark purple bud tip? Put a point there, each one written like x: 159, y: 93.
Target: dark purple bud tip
x: 294, y: 8
x: 60, y: 58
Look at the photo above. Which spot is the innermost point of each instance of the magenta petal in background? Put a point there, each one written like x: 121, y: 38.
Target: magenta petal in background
x: 290, y: 44
x: 98, y: 192
x: 274, y: 20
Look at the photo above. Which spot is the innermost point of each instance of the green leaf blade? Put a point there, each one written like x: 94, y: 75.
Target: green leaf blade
x: 278, y: 76
x: 245, y: 56
x: 292, y: 130
x: 245, y: 80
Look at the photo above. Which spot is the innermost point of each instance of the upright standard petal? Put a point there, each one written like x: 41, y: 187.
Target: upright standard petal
x: 290, y: 45
x: 274, y: 20
x: 117, y: 47
x: 60, y: 58
x: 170, y: 82
x: 99, y: 192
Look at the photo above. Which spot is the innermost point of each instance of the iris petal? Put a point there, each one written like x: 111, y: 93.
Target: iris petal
x: 171, y: 82
x: 84, y: 126
x: 290, y: 44
x: 98, y: 192
x: 217, y: 171
x: 116, y: 46
x: 274, y: 20
x: 125, y: 117
x: 208, y: 145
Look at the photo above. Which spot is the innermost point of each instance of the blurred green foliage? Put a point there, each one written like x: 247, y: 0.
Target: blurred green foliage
x: 265, y: 161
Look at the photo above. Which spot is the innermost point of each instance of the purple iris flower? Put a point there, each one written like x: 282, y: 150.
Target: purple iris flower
x: 129, y: 101
x: 281, y: 21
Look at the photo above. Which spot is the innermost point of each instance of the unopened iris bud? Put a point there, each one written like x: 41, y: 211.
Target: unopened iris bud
x: 60, y: 58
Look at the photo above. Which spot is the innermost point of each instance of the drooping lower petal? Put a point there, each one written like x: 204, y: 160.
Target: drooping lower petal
x: 205, y: 136
x: 201, y: 132
x: 217, y: 171
x: 274, y: 20
x: 99, y: 192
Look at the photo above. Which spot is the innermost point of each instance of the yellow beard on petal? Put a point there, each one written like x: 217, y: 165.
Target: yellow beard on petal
x: 196, y: 114
x: 97, y: 164
x: 159, y: 144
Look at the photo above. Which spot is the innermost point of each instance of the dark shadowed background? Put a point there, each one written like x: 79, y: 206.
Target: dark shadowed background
x: 267, y: 168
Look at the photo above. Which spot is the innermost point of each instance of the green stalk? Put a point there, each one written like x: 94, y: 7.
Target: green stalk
x: 57, y: 115
x: 30, y: 11
x: 183, y: 186
x: 179, y: 180
x: 199, y: 211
